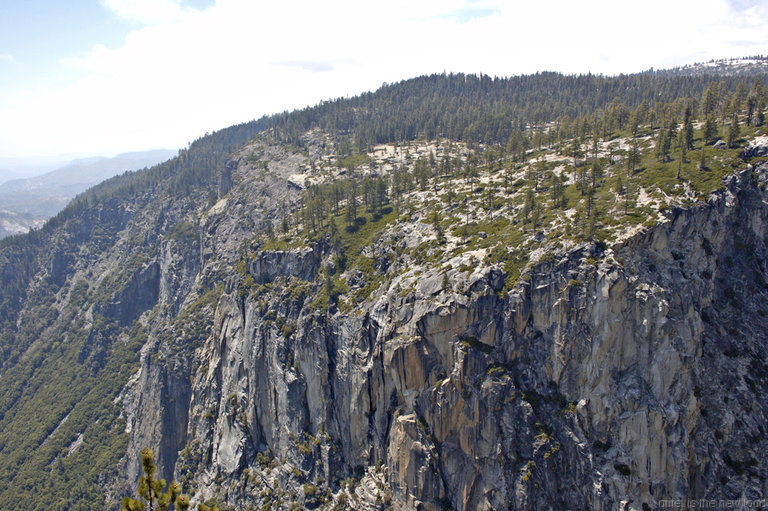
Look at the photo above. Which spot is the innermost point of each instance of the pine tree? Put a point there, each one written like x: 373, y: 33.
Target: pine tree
x: 683, y: 145
x: 733, y: 132
x: 710, y: 130
x: 381, y: 194
x: 634, y: 124
x: 633, y: 157
x: 702, y: 160
x: 489, y: 198
x: 582, y: 177
x: 528, y: 205
x: 151, y: 490
x: 739, y: 98
x: 596, y: 173
x: 751, y: 105
x: 640, y: 115
x: 710, y: 100
x: 664, y: 141
x: 688, y: 127
x: 435, y: 220
x: 590, y: 201
x: 592, y: 223
x: 627, y: 191
x: 661, y: 142
x: 557, y: 191
x: 576, y: 152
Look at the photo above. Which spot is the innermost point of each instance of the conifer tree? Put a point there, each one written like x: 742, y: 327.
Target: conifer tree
x: 661, y: 142
x: 739, y: 97
x: 582, y: 177
x: 489, y: 198
x: 710, y: 130
x: 733, y: 132
x: 683, y: 145
x: 751, y: 105
x: 557, y: 191
x: 590, y: 201
x: 626, y: 195
x: 688, y: 127
x: 664, y: 141
x: 596, y: 173
x: 529, y: 205
x: 710, y: 100
x: 633, y: 157
x: 634, y: 124
x: 151, y: 495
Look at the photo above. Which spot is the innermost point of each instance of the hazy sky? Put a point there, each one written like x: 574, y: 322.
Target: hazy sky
x: 108, y: 76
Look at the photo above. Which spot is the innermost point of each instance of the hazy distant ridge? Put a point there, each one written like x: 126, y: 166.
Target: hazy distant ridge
x: 28, y: 202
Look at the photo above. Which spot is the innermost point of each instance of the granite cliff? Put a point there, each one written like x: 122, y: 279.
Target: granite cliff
x: 404, y: 301
x: 607, y: 377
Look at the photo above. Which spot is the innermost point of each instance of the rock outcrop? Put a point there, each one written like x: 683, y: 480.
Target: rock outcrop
x: 605, y: 378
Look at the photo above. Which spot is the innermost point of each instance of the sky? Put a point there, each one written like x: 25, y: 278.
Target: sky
x: 86, y: 77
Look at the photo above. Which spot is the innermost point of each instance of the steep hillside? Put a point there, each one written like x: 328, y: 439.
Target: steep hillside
x: 29, y: 202
x: 504, y: 306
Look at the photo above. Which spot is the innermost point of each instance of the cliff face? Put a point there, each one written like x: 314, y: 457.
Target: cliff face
x: 606, y: 377
x: 388, y: 302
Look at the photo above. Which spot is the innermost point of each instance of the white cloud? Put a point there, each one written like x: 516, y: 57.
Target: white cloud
x: 191, y: 71
x: 6, y: 57
x: 146, y: 11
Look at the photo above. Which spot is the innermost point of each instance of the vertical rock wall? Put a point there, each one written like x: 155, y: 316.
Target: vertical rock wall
x: 607, y: 379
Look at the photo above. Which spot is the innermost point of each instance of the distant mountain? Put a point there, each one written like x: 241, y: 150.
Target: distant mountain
x: 17, y: 223
x: 23, y: 167
x: 28, y: 202
x: 742, y: 66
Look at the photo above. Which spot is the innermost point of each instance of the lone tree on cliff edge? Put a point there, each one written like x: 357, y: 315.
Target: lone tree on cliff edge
x: 151, y: 490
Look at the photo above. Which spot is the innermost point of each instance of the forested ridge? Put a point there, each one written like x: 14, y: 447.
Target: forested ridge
x: 469, y: 108
x: 483, y: 109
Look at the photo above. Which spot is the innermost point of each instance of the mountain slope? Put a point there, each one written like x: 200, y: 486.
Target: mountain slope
x: 745, y: 67
x: 289, y: 313
x: 31, y: 201
x: 17, y: 223
x: 602, y: 376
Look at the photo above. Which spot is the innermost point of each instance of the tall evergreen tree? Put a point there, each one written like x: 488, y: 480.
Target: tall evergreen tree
x: 710, y: 100
x: 688, y: 126
x: 760, y: 115
x: 151, y: 493
x: 661, y: 149
x: 683, y: 146
x: 734, y: 132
